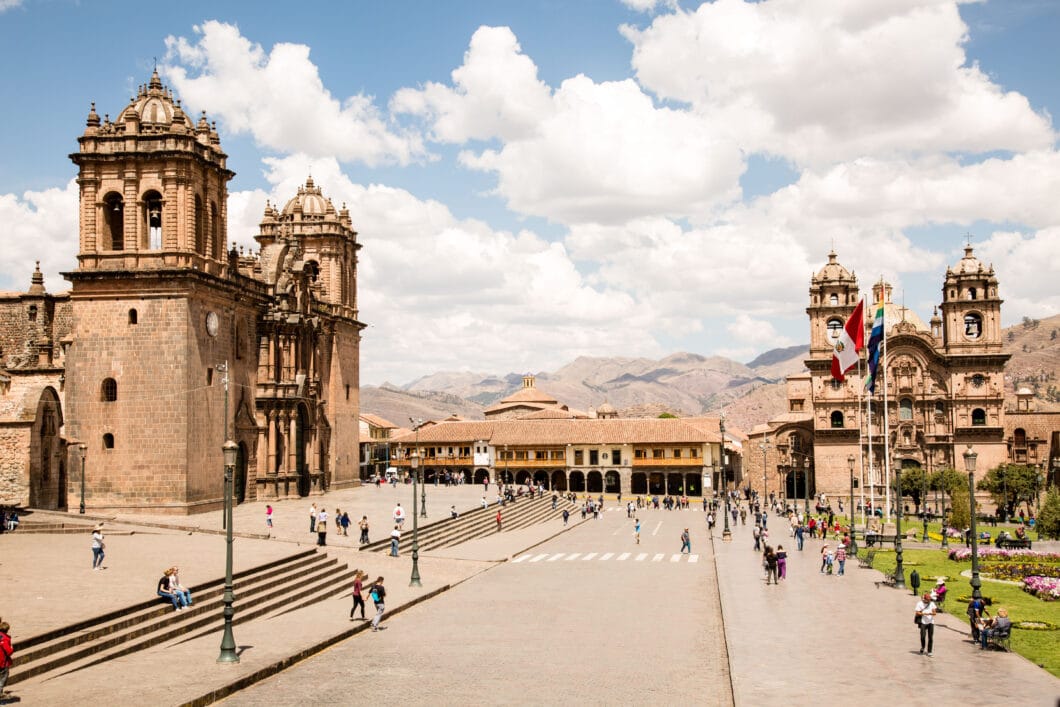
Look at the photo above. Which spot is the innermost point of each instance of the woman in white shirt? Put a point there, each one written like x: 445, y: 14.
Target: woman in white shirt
x: 925, y: 612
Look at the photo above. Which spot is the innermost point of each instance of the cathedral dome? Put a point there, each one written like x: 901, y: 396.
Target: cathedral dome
x: 833, y: 271
x: 309, y: 201
x: 153, y: 105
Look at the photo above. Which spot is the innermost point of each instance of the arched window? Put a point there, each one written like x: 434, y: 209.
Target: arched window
x: 108, y: 441
x: 837, y: 418
x: 109, y: 390
x: 940, y: 407
x: 905, y: 409
x: 978, y: 417
x: 33, y: 312
x: 835, y: 326
x: 153, y: 219
x: 113, y: 221
x: 972, y: 293
x: 200, y: 235
x: 973, y: 326
x: 833, y: 299
x: 1019, y: 437
x: 132, y: 316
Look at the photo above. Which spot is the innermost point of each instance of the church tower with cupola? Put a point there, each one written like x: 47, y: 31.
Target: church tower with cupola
x: 971, y: 308
x: 833, y: 296
x: 161, y: 323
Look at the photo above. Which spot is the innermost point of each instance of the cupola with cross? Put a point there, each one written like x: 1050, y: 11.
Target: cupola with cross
x: 971, y: 307
x: 833, y: 296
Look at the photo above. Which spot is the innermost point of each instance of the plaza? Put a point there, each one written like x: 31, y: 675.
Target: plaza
x: 540, y: 614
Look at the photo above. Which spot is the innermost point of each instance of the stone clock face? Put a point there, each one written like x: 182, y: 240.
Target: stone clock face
x: 978, y: 380
x: 212, y: 323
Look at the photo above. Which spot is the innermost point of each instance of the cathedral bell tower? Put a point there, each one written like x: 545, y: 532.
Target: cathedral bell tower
x: 971, y: 308
x: 833, y: 296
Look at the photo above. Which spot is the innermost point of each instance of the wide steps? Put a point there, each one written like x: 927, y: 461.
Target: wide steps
x: 275, y: 587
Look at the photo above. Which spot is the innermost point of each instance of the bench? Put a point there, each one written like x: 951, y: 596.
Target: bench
x: 999, y: 640
x: 865, y: 561
x: 888, y: 579
x: 910, y: 534
x: 877, y: 539
x: 1014, y: 544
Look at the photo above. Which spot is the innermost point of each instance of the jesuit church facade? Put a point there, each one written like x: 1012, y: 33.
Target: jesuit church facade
x: 944, y: 382
x: 168, y: 342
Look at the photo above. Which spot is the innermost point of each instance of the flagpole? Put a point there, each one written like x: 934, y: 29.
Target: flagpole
x: 861, y: 456
x: 868, y: 452
x: 882, y: 373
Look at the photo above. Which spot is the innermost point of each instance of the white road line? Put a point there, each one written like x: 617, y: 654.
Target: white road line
x: 555, y: 557
x: 658, y: 557
x: 675, y: 558
x: 573, y: 556
x: 524, y: 557
x: 619, y: 529
x: 693, y: 558
x: 590, y: 556
x: 540, y: 557
x: 641, y: 556
x: 623, y: 556
x: 656, y: 531
x: 606, y: 556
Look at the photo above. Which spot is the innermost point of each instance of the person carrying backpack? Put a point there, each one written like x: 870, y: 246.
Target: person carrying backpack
x: 378, y: 595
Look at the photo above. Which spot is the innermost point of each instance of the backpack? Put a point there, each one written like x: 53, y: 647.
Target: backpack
x: 374, y: 595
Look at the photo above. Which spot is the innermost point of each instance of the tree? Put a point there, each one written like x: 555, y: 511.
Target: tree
x: 667, y: 416
x: 1010, y: 485
x: 1049, y: 516
x: 913, y: 480
x: 960, y: 514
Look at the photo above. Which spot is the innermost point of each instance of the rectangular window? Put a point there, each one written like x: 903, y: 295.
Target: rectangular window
x: 640, y: 454
x: 616, y: 456
x: 677, y: 454
x: 656, y: 454
x: 594, y: 457
x: 578, y: 457
x: 556, y: 455
x: 694, y: 453
x: 521, y: 455
x: 796, y: 405
x: 209, y: 376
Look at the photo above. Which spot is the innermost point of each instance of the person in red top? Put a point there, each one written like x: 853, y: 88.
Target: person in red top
x: 841, y: 557
x: 5, y: 654
x: 498, y: 521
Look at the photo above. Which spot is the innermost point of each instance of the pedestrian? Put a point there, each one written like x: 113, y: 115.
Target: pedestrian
x: 399, y: 515
x: 566, y: 516
x: 686, y: 542
x: 358, y: 599
x: 395, y: 540
x: 757, y: 532
x: 5, y: 654
x: 363, y: 524
x: 826, y: 559
x: 800, y: 535
x: 452, y: 512
x: 769, y: 562
x: 313, y: 518
x: 925, y: 619
x: 97, y: 547
x: 498, y: 520
x: 268, y: 516
x: 636, y: 531
x: 345, y: 523
x: 322, y: 527
x: 338, y: 521
x: 378, y: 595
x: 782, y: 562
x: 841, y: 558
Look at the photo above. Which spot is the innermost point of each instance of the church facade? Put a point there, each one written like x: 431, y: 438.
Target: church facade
x: 168, y: 342
x: 943, y: 382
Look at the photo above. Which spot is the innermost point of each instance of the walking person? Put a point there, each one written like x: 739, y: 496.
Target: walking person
x: 498, y: 520
x: 378, y: 595
x: 363, y: 524
x: 769, y: 561
x: 800, y: 535
x: 268, y: 516
x: 566, y: 516
x: 338, y: 521
x: 97, y: 547
x: 322, y: 527
x: 686, y: 542
x: 925, y: 619
x: 395, y: 540
x: 636, y: 531
x: 399, y: 516
x: 358, y: 599
x: 5, y: 654
x: 782, y: 562
x: 345, y: 523
x: 313, y: 518
x: 841, y: 557
x: 757, y: 532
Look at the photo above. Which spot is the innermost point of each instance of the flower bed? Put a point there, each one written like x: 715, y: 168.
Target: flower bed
x: 1018, y: 570
x: 1045, y: 588
x: 993, y: 553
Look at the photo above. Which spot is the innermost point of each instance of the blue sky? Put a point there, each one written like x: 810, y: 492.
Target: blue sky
x: 533, y: 181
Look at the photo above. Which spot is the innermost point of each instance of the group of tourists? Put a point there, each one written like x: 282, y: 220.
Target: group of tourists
x: 170, y: 589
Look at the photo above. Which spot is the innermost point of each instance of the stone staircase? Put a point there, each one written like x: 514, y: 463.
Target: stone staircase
x: 270, y: 589
x: 477, y: 523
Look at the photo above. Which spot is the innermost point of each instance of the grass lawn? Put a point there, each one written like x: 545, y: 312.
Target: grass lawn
x: 1040, y: 647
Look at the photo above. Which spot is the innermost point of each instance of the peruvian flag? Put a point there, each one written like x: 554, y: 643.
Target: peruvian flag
x: 851, y: 340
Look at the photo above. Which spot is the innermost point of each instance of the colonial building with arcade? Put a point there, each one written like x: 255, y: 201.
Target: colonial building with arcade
x: 168, y: 342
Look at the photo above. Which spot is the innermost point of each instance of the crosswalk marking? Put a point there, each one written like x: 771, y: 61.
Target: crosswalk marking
x: 573, y: 556
x: 520, y: 559
x: 693, y: 558
x: 658, y: 557
x: 555, y: 557
x: 623, y: 556
x: 656, y: 531
x: 675, y: 558
x: 603, y: 557
x: 590, y: 556
x: 606, y: 556
x: 641, y: 556
x: 540, y: 557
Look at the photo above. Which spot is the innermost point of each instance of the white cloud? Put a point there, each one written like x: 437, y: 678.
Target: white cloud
x: 647, y: 5
x: 822, y: 82
x: 1026, y: 266
x: 279, y: 98
x: 40, y: 225
x: 6, y: 5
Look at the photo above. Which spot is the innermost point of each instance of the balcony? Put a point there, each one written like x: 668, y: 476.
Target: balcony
x: 529, y: 463
x: 682, y: 461
x: 436, y: 461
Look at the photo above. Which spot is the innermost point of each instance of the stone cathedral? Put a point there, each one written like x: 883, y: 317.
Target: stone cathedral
x: 168, y: 342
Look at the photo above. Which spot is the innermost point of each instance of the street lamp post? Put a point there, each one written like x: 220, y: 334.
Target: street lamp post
x: 417, y: 423
x: 969, y: 464
x: 806, y: 485
x: 853, y: 535
x: 228, y: 641
x: 1038, y: 501
x: 923, y: 505
x: 899, y: 571
x: 764, y: 446
x: 726, y: 533
x: 83, y: 449
x: 942, y: 515
x: 414, y: 465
